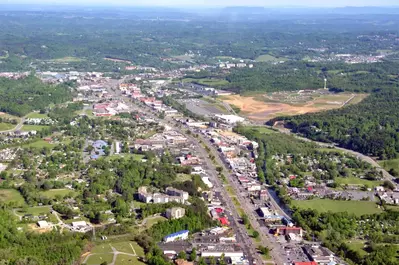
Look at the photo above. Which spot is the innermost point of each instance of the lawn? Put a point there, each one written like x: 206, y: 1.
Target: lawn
x: 11, y: 195
x: 6, y: 126
x: 183, y: 177
x: 269, y: 58
x: 103, y: 248
x: 154, y: 220
x: 357, y: 181
x: 129, y: 247
x: 39, y: 144
x: 53, y: 192
x: 38, y: 210
x: 324, y: 205
x: 207, y: 81
x: 388, y: 164
x: 263, y: 130
x: 394, y: 208
x: 36, y: 115
x: 97, y: 259
x: 27, y: 128
x: 103, y: 252
x: 136, y: 157
x: 357, y: 246
x: 127, y: 260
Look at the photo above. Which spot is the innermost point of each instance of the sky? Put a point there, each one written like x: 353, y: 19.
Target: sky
x: 208, y: 3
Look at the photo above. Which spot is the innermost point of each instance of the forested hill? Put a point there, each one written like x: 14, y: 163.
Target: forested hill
x: 18, y: 247
x: 19, y: 97
x: 370, y: 127
x: 304, y: 75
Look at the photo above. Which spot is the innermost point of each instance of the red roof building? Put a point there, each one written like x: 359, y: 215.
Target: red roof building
x: 306, y: 263
x: 224, y: 221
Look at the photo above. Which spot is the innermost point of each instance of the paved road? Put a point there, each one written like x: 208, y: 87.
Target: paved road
x: 242, y: 234
x: 248, y: 207
x: 360, y: 156
x: 16, y: 128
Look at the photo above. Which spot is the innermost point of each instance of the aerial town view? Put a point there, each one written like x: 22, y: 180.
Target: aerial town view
x: 229, y: 133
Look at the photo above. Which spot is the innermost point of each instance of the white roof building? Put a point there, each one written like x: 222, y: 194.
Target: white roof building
x: 230, y: 119
x: 43, y: 224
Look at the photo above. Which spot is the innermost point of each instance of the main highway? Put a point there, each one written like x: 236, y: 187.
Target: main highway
x: 242, y: 234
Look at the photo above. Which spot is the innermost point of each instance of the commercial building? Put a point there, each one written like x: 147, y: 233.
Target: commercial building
x: 229, y: 119
x: 181, y: 235
x: 289, y: 230
x: 175, y: 192
x: 319, y: 254
x: 175, y: 212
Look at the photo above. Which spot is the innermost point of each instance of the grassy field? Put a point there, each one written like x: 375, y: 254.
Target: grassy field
x: 394, y: 208
x: 136, y: 157
x: 358, y: 246
x: 206, y: 81
x: 38, y: 210
x: 323, y: 205
x: 6, y: 126
x: 263, y: 130
x: 127, y: 260
x: 27, y: 128
x: 68, y: 59
x: 98, y: 259
x: 103, y: 252
x: 269, y: 58
x: 388, y: 164
x: 357, y: 181
x: 53, y: 192
x: 130, y: 247
x: 11, y: 195
x: 154, y: 220
x: 39, y: 144
x: 36, y: 115
x: 183, y: 177
x: 183, y: 57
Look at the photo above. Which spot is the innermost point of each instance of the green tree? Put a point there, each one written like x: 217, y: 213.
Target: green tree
x: 193, y: 254
x: 182, y: 255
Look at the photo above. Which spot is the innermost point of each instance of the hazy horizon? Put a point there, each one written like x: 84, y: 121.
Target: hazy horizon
x: 210, y: 3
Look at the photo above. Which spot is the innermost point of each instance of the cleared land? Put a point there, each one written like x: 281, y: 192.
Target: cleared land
x: 6, y: 126
x: 269, y: 58
x: 68, y: 59
x: 388, y: 164
x: 39, y: 144
x: 11, y: 196
x: 27, y: 128
x: 54, y: 192
x: 357, y: 181
x: 323, y: 205
x: 267, y: 106
x: 206, y: 81
x: 36, y: 115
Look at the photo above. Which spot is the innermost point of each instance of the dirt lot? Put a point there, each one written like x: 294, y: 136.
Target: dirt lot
x: 265, y: 107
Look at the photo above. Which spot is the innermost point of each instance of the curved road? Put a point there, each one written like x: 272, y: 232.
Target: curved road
x: 16, y: 128
x: 360, y: 156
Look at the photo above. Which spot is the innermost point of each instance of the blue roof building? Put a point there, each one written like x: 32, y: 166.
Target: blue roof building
x: 181, y: 235
x: 100, y: 144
